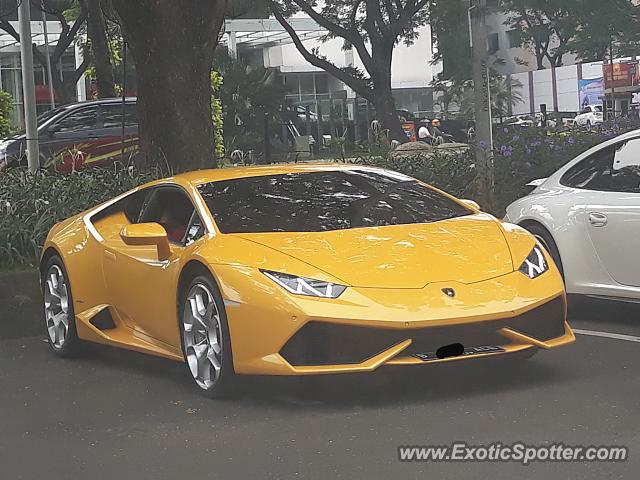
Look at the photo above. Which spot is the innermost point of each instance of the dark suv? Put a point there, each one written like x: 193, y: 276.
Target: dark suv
x: 77, y: 135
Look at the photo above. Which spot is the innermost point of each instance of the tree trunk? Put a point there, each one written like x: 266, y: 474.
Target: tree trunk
x: 96, y: 30
x: 383, y: 100
x: 172, y: 44
x: 387, y: 114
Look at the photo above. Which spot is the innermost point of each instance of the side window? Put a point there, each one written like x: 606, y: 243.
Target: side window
x: 81, y: 120
x: 625, y: 176
x: 592, y: 173
x: 171, y: 208
x: 112, y: 115
x: 613, y: 169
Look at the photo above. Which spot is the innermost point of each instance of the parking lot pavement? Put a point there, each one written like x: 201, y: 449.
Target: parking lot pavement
x: 114, y: 414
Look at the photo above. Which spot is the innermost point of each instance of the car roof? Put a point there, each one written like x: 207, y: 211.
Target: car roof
x: 101, y: 101
x: 200, y: 177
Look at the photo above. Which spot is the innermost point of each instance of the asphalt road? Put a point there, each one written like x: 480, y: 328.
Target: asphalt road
x: 114, y: 414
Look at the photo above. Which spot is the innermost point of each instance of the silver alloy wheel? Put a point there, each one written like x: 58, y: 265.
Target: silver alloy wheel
x: 56, y: 306
x: 202, y: 336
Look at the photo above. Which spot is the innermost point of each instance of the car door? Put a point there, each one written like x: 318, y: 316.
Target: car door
x: 109, y: 142
x: 142, y: 287
x: 613, y: 214
x: 66, y: 143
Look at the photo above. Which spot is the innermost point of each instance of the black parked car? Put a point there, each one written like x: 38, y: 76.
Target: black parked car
x: 78, y: 135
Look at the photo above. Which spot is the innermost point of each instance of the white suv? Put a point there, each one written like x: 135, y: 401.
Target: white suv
x: 591, y: 115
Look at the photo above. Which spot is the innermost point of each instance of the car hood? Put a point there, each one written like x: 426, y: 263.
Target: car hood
x: 467, y: 249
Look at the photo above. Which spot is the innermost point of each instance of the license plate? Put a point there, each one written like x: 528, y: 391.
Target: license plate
x: 471, y: 351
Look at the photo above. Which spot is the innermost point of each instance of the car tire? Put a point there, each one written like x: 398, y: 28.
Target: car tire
x: 204, y: 334
x: 546, y: 240
x: 59, y: 314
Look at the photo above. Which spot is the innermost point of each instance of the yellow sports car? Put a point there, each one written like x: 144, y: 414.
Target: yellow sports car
x: 298, y: 270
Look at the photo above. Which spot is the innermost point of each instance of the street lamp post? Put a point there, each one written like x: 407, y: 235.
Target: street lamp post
x: 482, y: 97
x: 28, y: 86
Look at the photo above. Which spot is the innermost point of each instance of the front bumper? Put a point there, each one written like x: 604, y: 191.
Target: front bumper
x: 274, y: 333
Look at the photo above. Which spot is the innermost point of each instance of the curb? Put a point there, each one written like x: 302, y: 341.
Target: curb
x: 20, y: 305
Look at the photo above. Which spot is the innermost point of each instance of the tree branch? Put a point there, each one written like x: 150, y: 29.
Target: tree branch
x: 359, y: 85
x: 406, y: 14
x: 82, y: 68
x: 350, y: 35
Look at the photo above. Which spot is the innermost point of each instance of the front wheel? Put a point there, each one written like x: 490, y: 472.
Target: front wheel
x: 205, y: 338
x: 58, y: 309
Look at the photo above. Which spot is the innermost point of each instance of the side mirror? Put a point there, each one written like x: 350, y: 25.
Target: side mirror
x: 149, y: 234
x: 471, y: 204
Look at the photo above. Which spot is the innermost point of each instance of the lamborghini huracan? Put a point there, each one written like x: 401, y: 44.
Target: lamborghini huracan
x: 299, y: 270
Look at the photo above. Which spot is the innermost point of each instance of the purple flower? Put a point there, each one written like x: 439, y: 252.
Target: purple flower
x: 506, y: 150
x: 571, y: 140
x: 483, y: 145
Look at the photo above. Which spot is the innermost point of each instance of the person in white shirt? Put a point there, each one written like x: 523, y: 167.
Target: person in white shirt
x: 423, y: 134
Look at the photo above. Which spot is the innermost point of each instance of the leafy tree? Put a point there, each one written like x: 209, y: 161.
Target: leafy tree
x: 451, y: 41
x: 172, y: 43
x: 70, y: 29
x: 247, y: 95
x: 614, y: 24
x: 544, y: 26
x: 373, y: 28
x: 505, y: 95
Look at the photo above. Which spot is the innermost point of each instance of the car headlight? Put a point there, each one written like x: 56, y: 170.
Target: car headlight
x: 535, y: 264
x: 306, y: 286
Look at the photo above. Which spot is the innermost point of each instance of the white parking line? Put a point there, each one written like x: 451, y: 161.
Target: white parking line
x: 615, y: 336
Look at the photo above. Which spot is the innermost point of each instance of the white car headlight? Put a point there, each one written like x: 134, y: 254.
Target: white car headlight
x: 306, y: 286
x: 535, y: 264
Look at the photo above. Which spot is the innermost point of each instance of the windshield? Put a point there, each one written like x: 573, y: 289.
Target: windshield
x: 324, y: 201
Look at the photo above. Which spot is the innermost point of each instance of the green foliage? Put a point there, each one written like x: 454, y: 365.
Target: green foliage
x: 71, y: 13
x: 451, y: 37
x: 452, y: 170
x: 549, y: 28
x: 504, y: 96
x: 543, y: 26
x: 217, y: 82
x: 247, y: 95
x: 613, y: 23
x: 30, y: 204
x: 6, y: 108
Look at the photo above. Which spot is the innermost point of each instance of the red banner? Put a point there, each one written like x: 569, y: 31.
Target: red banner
x: 621, y: 75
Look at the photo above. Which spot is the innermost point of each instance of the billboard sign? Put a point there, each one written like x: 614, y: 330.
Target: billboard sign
x: 621, y: 75
x: 591, y: 91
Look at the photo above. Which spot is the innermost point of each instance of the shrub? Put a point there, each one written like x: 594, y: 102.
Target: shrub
x: 452, y: 170
x: 521, y: 155
x: 30, y: 204
x: 6, y: 108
